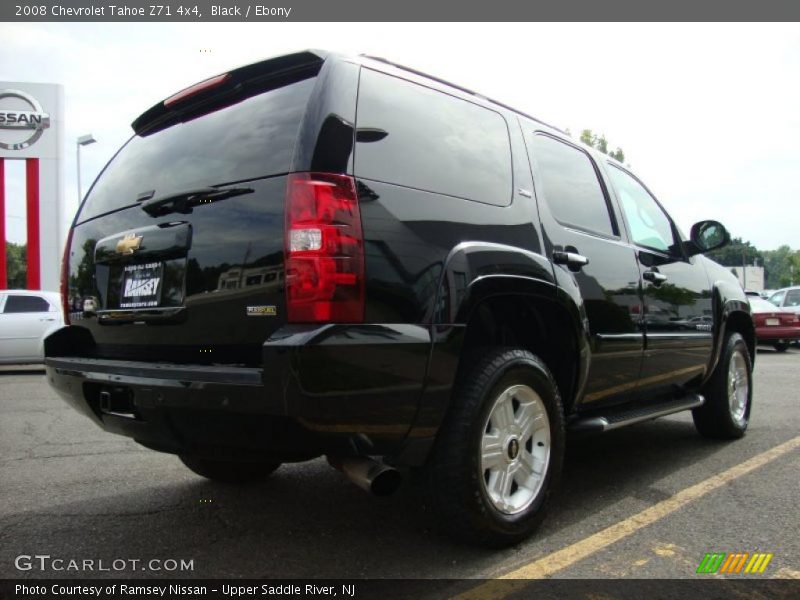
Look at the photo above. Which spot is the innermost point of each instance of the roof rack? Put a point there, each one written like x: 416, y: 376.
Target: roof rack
x: 460, y: 88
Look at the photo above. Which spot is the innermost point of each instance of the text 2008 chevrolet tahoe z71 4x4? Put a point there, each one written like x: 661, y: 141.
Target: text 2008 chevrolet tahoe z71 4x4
x: 326, y: 255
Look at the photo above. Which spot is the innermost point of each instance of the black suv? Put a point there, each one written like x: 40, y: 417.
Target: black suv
x: 327, y: 255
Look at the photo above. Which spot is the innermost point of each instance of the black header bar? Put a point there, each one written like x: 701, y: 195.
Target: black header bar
x: 409, y: 10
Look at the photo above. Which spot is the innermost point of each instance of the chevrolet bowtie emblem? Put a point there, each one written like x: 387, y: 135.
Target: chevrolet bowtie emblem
x: 129, y: 244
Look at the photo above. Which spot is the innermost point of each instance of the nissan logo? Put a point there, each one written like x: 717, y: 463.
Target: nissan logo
x: 34, y: 120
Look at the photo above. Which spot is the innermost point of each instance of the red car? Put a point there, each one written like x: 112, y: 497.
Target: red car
x: 774, y: 325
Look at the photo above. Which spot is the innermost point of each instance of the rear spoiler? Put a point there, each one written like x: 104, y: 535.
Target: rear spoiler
x: 229, y: 88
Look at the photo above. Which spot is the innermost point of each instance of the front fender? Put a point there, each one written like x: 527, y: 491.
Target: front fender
x: 731, y: 312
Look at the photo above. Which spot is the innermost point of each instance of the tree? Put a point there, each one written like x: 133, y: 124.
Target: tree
x: 16, y: 265
x: 601, y: 143
x: 781, y: 266
x: 737, y: 253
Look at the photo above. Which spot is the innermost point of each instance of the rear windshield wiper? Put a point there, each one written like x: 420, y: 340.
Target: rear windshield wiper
x: 184, y: 202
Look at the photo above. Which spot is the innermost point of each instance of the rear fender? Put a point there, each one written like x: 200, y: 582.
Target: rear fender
x: 476, y: 272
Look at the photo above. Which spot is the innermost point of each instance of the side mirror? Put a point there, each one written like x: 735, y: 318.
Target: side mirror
x: 707, y: 236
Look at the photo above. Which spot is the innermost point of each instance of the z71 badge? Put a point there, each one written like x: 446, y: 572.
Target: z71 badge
x: 261, y: 311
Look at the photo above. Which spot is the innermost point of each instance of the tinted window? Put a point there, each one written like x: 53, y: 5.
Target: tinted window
x: 417, y: 137
x: 252, y: 138
x: 26, y: 304
x: 649, y: 225
x: 570, y: 185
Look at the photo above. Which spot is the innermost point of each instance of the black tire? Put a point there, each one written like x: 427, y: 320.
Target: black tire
x: 456, y: 482
x: 781, y: 346
x: 230, y: 471
x: 716, y: 418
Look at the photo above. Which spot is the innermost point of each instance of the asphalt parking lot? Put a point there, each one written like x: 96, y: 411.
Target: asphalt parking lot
x: 72, y: 491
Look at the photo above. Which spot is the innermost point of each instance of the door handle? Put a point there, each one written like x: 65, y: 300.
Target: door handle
x: 572, y: 260
x: 47, y: 319
x: 654, y: 277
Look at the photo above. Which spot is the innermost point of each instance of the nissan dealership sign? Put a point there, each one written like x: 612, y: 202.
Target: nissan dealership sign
x: 20, y: 128
x: 31, y: 133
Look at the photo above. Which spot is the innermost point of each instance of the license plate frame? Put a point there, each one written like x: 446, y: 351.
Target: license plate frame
x: 141, y: 286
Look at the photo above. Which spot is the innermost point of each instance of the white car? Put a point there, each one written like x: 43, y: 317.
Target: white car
x: 788, y: 298
x: 26, y: 318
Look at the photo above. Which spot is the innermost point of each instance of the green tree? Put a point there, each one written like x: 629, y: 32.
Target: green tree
x: 781, y: 266
x: 737, y: 253
x: 599, y: 142
x: 16, y: 265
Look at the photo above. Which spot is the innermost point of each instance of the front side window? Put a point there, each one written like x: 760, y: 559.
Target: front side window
x: 26, y: 304
x: 650, y: 227
x: 571, y: 187
x: 793, y: 298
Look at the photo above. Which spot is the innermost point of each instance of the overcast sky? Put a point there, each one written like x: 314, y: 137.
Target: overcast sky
x: 708, y: 115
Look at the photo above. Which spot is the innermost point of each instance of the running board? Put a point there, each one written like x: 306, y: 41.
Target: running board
x: 616, y: 418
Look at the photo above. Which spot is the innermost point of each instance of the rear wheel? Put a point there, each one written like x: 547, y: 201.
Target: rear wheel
x: 729, y: 393
x: 499, y: 453
x: 781, y: 346
x: 230, y: 471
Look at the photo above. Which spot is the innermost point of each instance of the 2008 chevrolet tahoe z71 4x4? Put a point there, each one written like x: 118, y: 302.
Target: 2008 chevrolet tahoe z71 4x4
x: 324, y: 255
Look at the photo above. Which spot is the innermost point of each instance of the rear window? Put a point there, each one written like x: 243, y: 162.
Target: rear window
x: 247, y: 140
x: 417, y: 137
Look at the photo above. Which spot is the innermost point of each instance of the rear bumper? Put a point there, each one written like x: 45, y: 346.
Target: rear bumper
x: 333, y: 389
x: 775, y: 334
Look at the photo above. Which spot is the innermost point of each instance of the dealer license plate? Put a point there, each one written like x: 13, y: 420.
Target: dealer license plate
x: 141, y: 285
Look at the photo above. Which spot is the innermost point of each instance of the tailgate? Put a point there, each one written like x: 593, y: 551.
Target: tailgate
x: 177, y: 251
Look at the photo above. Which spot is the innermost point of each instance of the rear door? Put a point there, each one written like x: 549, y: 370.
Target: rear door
x: 578, y: 219
x: 177, y: 251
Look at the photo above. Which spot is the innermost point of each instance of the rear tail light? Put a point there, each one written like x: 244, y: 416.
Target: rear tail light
x: 324, y: 250
x: 65, y: 303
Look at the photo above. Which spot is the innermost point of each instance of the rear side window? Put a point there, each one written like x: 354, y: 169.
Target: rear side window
x: 571, y: 187
x: 246, y: 140
x: 417, y: 137
x: 26, y: 304
x: 793, y: 298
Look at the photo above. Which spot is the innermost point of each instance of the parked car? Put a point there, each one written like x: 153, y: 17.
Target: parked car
x: 26, y: 319
x: 460, y: 284
x: 776, y: 326
x: 788, y: 298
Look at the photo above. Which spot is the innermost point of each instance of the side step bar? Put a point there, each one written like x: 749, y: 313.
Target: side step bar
x: 620, y: 417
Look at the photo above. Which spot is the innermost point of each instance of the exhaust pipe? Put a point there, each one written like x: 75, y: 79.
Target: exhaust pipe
x: 368, y: 474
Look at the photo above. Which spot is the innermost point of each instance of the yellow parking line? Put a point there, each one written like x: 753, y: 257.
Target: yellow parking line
x: 557, y: 561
